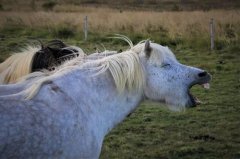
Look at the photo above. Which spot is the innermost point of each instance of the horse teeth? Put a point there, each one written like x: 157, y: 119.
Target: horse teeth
x: 198, y: 102
x: 206, y: 85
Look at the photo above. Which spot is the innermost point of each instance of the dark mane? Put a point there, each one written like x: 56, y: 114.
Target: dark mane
x: 51, y: 54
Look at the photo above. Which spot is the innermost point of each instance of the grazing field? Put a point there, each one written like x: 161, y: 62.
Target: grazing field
x: 211, y: 130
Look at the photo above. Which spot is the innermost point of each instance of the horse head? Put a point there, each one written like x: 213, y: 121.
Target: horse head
x: 167, y: 80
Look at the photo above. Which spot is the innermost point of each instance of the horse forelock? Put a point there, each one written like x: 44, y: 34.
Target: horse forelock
x: 158, y: 55
x: 126, y: 70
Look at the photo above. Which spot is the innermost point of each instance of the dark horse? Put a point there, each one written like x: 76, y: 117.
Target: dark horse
x: 47, y: 56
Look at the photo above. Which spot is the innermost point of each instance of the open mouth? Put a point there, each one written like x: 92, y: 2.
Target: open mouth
x: 204, y: 82
x: 194, y: 100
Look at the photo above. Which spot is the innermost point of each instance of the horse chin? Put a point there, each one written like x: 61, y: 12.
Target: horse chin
x: 192, y: 100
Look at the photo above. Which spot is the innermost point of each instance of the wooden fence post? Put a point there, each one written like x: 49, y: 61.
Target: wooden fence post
x: 33, y: 5
x: 212, y: 33
x: 85, y: 27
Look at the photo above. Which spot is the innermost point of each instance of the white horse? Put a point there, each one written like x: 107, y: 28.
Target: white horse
x: 67, y: 114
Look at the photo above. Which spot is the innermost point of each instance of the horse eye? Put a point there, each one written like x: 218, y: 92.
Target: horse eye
x: 165, y: 65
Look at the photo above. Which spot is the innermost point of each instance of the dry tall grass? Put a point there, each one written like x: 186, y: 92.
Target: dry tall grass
x: 110, y: 20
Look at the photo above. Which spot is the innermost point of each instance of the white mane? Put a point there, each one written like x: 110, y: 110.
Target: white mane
x: 125, y: 68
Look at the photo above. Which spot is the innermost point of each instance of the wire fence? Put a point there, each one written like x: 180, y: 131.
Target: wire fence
x: 33, y: 40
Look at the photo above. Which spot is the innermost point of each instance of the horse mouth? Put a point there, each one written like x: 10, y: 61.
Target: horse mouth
x: 194, y: 101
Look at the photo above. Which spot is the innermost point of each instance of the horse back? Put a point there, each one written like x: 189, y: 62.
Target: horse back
x: 41, y: 129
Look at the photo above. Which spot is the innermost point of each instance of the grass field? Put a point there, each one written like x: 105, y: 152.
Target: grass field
x: 211, y: 130
x: 172, y: 24
x: 208, y: 131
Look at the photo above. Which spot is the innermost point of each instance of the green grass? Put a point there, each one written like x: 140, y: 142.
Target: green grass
x: 211, y: 130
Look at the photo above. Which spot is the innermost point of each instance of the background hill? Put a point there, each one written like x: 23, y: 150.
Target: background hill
x: 157, y: 5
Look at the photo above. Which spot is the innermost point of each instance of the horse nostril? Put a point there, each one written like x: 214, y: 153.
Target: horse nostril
x: 202, y: 74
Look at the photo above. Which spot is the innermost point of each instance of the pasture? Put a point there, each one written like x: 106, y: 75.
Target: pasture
x: 211, y: 130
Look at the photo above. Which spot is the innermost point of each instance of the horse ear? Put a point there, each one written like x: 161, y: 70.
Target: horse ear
x: 147, y: 48
x: 41, y: 43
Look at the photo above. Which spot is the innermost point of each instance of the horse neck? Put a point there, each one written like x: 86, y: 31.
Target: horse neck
x: 111, y: 108
x: 99, y: 99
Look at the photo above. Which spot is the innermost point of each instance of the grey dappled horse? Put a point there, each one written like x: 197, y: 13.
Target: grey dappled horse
x: 67, y: 113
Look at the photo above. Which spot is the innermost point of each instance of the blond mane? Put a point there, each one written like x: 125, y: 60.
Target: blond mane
x: 17, y: 65
x: 125, y: 68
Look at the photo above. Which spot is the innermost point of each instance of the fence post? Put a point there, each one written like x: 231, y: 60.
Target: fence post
x: 85, y: 27
x: 212, y: 33
x: 33, y: 5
